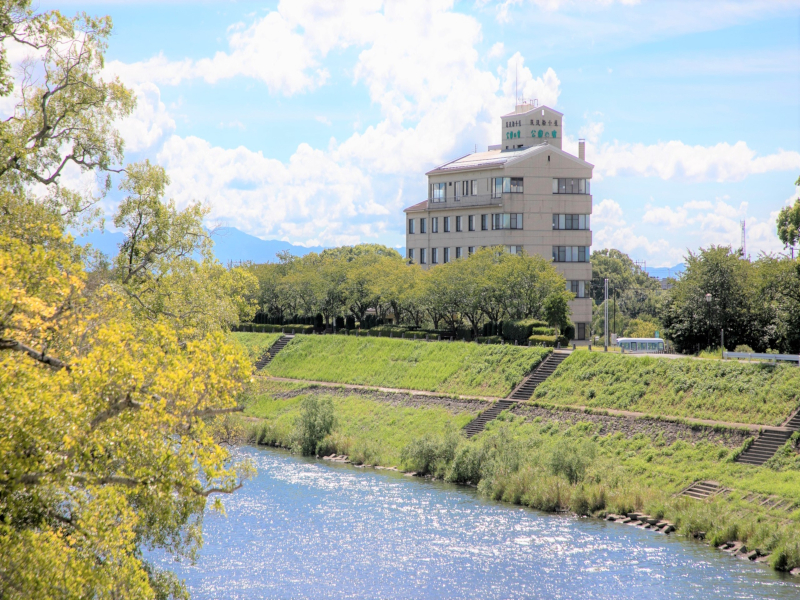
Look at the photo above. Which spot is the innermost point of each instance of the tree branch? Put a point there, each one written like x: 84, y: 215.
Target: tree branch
x: 6, y: 344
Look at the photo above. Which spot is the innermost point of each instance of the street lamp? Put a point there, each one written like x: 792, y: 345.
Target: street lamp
x: 708, y: 312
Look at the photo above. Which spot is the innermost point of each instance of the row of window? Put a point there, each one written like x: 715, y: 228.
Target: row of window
x: 571, y: 222
x: 499, y: 221
x: 446, y: 256
x: 571, y: 253
x: 571, y: 186
x: 497, y: 186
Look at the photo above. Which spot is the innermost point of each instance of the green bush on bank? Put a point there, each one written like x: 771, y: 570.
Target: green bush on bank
x: 549, y: 341
x: 256, y: 328
x: 458, y: 368
x: 522, y: 329
x: 763, y: 394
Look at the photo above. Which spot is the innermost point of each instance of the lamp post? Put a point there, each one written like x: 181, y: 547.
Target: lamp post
x: 708, y: 312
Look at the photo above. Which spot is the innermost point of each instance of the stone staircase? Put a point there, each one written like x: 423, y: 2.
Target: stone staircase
x: 702, y: 490
x: 793, y: 422
x: 522, y: 392
x: 276, y: 347
x: 525, y: 390
x: 478, y: 423
x: 764, y: 446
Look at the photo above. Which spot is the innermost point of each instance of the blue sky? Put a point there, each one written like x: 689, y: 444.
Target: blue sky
x: 315, y: 122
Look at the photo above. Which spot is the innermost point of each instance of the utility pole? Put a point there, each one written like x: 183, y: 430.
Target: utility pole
x: 605, y: 316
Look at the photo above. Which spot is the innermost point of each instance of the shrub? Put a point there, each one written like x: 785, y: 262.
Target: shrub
x: 414, y: 335
x: 550, y: 341
x: 431, y: 454
x: 316, y: 421
x: 570, y: 458
x: 489, y: 339
x: 743, y: 348
x: 521, y: 330
x: 542, y: 331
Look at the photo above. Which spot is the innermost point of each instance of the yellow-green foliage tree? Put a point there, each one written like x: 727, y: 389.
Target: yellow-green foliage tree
x: 108, y: 394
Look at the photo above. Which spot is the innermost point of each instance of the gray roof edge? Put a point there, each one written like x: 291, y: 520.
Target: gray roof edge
x: 546, y: 146
x: 445, y: 164
x: 511, y: 114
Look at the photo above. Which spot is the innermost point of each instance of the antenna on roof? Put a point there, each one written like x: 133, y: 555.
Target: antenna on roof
x: 516, y: 80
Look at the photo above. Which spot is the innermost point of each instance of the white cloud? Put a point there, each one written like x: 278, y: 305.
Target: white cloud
x: 150, y: 121
x: 607, y: 211
x: 312, y: 198
x: 324, y: 120
x: 676, y: 160
x: 631, y: 241
x: 664, y: 215
x: 497, y: 50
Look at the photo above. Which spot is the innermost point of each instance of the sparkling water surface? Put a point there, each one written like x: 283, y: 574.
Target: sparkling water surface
x: 311, y: 529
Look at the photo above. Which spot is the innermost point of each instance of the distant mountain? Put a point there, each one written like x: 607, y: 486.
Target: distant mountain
x: 230, y: 245
x: 662, y: 272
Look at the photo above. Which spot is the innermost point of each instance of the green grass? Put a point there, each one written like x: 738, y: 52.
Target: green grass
x: 256, y: 344
x: 723, y: 391
x: 526, y: 462
x: 451, y: 368
x: 368, y: 431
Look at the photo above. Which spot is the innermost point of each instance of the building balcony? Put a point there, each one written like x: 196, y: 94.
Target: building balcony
x: 466, y: 201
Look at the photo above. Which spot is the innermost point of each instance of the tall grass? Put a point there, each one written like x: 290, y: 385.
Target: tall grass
x: 725, y: 391
x: 256, y: 344
x: 554, y: 467
x: 455, y: 367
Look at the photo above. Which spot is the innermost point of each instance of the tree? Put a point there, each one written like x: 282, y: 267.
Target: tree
x: 622, y: 274
x: 789, y: 222
x: 106, y: 407
x: 691, y: 321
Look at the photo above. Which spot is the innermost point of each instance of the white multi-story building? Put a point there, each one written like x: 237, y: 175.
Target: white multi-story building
x: 525, y: 193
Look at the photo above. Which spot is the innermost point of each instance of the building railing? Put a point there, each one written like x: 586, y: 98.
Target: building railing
x: 464, y: 201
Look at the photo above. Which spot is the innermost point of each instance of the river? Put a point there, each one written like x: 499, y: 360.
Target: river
x: 310, y: 529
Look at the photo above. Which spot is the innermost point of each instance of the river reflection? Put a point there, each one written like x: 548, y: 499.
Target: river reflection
x: 309, y: 529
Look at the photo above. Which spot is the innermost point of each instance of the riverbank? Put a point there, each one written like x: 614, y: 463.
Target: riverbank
x: 556, y: 460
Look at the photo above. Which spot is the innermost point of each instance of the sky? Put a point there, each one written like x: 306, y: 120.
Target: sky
x: 315, y: 122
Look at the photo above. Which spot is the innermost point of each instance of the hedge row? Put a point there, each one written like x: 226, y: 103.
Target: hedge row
x: 548, y: 340
x: 522, y: 329
x: 255, y: 328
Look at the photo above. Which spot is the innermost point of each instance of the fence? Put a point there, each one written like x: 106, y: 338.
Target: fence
x: 771, y: 357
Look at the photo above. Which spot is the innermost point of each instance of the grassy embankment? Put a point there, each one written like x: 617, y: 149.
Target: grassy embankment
x: 256, y: 344
x: 447, y: 368
x: 735, y: 392
x: 549, y: 466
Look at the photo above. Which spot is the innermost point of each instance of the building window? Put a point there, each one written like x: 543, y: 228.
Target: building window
x: 467, y: 188
x: 458, y: 223
x: 411, y: 226
x: 410, y: 253
x: 471, y: 222
x: 580, y: 331
x: 434, y: 224
x: 434, y: 256
x: 571, y: 186
x: 458, y: 252
x: 470, y: 250
x: 447, y: 255
x: 438, y: 191
x: 581, y: 289
x: 507, y: 221
x: 422, y: 257
x: 446, y: 224
x: 571, y: 253
x: 514, y: 249
x: 571, y: 222
x: 506, y: 185
x: 422, y: 228
x: 484, y: 222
